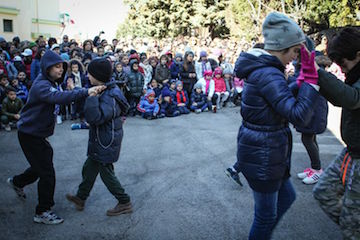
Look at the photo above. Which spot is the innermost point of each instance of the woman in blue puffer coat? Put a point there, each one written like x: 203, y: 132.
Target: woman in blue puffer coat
x: 264, y: 139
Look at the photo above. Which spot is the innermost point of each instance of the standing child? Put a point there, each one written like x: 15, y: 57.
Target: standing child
x: 3, y: 84
x: 36, y: 124
x: 221, y: 94
x: 181, y: 98
x: 104, y: 114
x: 119, y: 75
x: 162, y: 71
x: 135, y: 82
x: 147, y: 71
x: 338, y: 190
x: 198, y: 99
x: 10, y: 108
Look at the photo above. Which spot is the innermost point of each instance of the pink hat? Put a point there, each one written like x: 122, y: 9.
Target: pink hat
x: 218, y: 71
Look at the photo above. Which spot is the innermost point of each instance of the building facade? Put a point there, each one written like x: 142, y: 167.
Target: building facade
x: 29, y: 18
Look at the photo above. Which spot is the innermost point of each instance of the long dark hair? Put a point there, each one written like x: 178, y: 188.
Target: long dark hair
x: 186, y: 62
x: 38, y: 53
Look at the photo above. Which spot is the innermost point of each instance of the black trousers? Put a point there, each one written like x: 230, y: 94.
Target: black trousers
x: 39, y: 154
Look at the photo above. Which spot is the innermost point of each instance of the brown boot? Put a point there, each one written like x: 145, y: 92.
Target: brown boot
x: 120, y: 208
x: 79, y: 204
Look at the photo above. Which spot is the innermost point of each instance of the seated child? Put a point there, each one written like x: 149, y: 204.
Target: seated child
x: 11, y: 107
x: 198, y: 99
x: 220, y: 88
x: 24, y: 80
x: 238, y: 88
x: 168, y: 106
x: 229, y: 82
x: 208, y: 88
x: 148, y: 106
x: 155, y: 87
x: 172, y: 88
x: 181, y: 98
x: 21, y: 90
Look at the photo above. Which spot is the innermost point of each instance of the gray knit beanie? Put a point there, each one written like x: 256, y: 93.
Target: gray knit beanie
x: 281, y: 32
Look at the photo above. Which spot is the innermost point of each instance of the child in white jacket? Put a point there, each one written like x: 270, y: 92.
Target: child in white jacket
x: 208, y: 88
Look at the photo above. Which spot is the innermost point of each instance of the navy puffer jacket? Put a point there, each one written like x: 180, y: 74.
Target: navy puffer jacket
x: 264, y: 139
x: 104, y: 114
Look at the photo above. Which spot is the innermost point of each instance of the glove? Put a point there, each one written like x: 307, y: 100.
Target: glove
x: 308, y: 71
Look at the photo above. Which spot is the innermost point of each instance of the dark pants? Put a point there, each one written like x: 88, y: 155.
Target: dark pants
x: 6, y: 119
x: 269, y: 208
x: 39, y: 154
x: 312, y: 148
x: 90, y: 171
x: 201, y: 107
x: 133, y: 102
x: 212, y: 101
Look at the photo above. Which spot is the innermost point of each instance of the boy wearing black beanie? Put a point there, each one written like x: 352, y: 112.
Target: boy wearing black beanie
x: 104, y: 114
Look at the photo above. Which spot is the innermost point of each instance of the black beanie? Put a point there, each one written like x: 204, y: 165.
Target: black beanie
x: 100, y: 69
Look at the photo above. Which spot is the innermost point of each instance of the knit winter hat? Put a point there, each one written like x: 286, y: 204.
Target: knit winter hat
x: 197, y: 85
x: 281, y: 32
x: 203, y: 54
x: 165, y: 92
x: 178, y: 55
x: 179, y: 83
x: 227, y: 71
x: 172, y: 81
x: 217, y: 71
x: 100, y: 69
x: 208, y: 73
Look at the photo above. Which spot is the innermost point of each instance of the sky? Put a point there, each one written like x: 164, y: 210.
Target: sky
x: 92, y: 16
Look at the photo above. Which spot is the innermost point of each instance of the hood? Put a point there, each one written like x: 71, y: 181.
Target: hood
x: 115, y: 92
x: 254, y: 59
x: 132, y: 62
x: 148, y: 93
x: 49, y: 59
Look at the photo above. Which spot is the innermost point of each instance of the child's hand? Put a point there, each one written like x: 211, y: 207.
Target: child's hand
x: 194, y: 104
x: 96, y: 90
x: 209, y: 98
x: 70, y: 84
x: 17, y: 116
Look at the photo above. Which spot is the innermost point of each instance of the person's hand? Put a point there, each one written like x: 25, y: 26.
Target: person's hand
x: 70, y: 84
x: 96, y: 90
x: 17, y: 116
x: 144, y: 91
x: 308, y: 71
x: 194, y: 104
x: 209, y: 98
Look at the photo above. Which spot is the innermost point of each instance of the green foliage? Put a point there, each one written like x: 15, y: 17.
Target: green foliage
x: 231, y: 18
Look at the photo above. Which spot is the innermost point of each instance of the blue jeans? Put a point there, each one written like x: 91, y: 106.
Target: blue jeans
x: 269, y: 208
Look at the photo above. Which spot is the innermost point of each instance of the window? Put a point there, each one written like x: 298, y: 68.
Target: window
x: 8, y: 25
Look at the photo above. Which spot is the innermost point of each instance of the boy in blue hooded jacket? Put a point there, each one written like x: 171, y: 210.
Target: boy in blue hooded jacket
x: 36, y: 124
x: 104, y: 114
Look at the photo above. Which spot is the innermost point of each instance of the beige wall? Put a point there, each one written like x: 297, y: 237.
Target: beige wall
x: 34, y: 17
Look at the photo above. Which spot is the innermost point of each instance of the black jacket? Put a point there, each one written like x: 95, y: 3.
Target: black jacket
x: 346, y: 96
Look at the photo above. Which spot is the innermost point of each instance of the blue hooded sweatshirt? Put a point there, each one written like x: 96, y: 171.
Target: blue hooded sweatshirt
x: 37, y: 116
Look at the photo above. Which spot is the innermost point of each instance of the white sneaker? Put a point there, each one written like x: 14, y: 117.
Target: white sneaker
x: 313, y: 177
x: 198, y: 110
x: 7, y: 128
x: 48, y: 217
x: 305, y: 173
x: 58, y: 119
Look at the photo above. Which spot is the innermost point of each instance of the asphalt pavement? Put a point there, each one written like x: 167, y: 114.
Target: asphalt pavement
x: 173, y: 169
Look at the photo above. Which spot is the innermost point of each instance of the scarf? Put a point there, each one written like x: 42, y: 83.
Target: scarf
x: 207, y: 86
x: 180, y: 96
x: 77, y: 79
x: 353, y: 75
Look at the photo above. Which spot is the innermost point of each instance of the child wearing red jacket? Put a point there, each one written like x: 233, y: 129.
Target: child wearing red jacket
x: 221, y: 95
